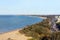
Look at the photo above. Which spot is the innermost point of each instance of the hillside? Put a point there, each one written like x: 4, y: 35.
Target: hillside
x: 37, y: 31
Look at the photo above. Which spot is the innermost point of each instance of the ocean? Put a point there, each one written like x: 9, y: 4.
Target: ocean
x: 12, y: 22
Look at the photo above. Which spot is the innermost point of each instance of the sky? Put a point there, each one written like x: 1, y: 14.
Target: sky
x: 42, y: 7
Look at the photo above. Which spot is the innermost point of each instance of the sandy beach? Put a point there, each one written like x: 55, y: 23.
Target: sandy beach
x: 13, y: 35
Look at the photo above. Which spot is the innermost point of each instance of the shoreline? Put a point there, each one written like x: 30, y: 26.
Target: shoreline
x: 14, y: 34
x: 11, y: 31
x: 18, y: 28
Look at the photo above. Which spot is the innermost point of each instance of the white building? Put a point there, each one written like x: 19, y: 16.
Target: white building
x: 58, y: 19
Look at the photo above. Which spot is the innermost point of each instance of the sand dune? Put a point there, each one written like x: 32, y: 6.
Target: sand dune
x: 13, y: 35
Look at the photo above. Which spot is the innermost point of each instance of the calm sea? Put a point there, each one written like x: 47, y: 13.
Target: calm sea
x: 12, y: 22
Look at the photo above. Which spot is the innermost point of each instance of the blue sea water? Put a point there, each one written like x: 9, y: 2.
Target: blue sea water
x: 12, y: 22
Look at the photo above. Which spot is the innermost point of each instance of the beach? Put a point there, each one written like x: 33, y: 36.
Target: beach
x: 9, y: 24
x: 13, y: 35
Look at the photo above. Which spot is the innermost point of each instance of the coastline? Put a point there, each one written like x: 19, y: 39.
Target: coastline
x: 11, y: 31
x: 14, y: 34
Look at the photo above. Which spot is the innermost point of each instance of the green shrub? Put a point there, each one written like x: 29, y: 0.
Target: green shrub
x: 38, y: 30
x: 9, y: 39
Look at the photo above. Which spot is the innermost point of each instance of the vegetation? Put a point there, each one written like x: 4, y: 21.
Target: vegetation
x: 41, y: 31
x: 9, y: 39
x: 58, y: 25
x: 38, y: 31
x: 56, y: 35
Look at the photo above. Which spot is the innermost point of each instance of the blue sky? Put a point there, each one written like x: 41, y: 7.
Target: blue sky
x: 30, y: 6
